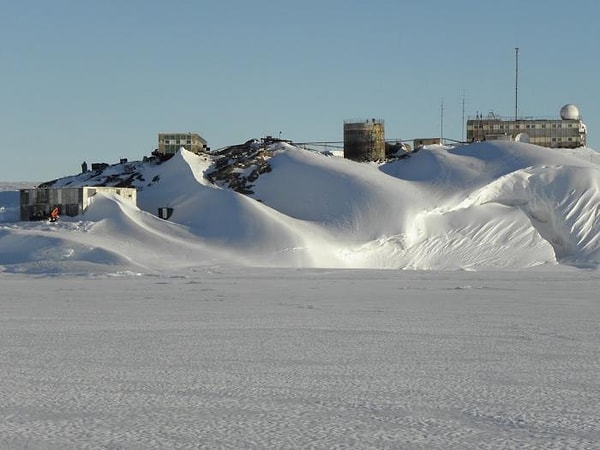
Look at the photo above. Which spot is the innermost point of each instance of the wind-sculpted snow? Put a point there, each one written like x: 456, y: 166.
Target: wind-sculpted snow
x: 472, y: 207
x: 54, y: 249
x: 355, y: 201
x: 562, y: 204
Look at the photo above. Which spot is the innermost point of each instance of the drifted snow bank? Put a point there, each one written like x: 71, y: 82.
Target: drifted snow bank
x: 561, y: 203
x: 481, y: 206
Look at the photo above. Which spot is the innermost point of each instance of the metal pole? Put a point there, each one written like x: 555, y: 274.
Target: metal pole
x: 516, y: 83
x: 463, y: 116
x: 442, y: 122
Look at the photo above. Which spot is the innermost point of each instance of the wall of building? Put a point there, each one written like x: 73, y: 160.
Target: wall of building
x: 128, y: 195
x: 170, y: 143
x: 36, y: 203
x: 364, y: 140
x: 559, y: 133
x: 418, y: 143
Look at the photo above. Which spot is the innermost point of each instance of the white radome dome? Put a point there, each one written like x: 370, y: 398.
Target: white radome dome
x: 569, y: 112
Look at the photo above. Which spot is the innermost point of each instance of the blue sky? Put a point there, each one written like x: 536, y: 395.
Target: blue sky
x: 97, y: 80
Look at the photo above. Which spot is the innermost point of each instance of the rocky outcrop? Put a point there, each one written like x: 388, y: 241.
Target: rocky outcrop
x: 236, y: 167
x: 239, y: 166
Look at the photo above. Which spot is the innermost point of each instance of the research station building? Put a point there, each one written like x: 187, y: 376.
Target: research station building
x: 36, y: 203
x: 170, y: 143
x: 568, y: 131
x: 364, y: 140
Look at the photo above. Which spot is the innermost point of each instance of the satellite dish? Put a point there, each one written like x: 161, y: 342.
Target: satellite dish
x: 522, y: 137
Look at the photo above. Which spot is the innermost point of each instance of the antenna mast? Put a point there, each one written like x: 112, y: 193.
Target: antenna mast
x: 442, y: 121
x: 516, y: 83
x: 463, y: 116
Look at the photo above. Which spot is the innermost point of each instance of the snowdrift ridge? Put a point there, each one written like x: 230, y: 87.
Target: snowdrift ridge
x: 474, y: 207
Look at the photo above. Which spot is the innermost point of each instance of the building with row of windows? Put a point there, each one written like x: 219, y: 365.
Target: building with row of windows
x: 170, y: 143
x: 36, y: 203
x: 568, y: 131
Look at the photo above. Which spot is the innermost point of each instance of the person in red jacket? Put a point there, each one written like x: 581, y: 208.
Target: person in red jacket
x: 54, y: 214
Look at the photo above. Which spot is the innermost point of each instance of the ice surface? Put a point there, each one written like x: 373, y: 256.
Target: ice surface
x: 267, y: 358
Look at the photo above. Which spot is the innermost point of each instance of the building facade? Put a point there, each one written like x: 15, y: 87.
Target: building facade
x: 36, y: 203
x: 422, y: 142
x: 568, y: 131
x: 364, y: 140
x: 170, y: 143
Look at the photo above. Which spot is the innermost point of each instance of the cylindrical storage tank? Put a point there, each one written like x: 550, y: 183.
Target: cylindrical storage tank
x: 364, y: 140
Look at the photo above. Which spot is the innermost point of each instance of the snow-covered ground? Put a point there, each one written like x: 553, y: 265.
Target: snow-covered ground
x: 475, y: 207
x: 265, y: 321
x: 301, y: 358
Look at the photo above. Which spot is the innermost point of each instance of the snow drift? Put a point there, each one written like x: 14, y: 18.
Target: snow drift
x: 474, y: 207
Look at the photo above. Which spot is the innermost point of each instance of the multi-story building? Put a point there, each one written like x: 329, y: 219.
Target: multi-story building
x: 170, y: 143
x: 568, y: 131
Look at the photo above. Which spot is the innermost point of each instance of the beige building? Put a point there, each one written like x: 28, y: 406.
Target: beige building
x: 422, y: 142
x: 170, y: 143
x: 568, y: 131
x: 36, y: 203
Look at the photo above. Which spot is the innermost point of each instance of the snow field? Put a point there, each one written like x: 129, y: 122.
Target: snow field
x: 264, y: 358
x: 239, y: 324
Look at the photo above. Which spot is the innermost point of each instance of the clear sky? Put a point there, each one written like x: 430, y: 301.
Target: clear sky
x: 97, y: 80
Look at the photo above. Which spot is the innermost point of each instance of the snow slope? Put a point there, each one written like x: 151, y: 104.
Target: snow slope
x: 481, y: 206
x: 171, y: 336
